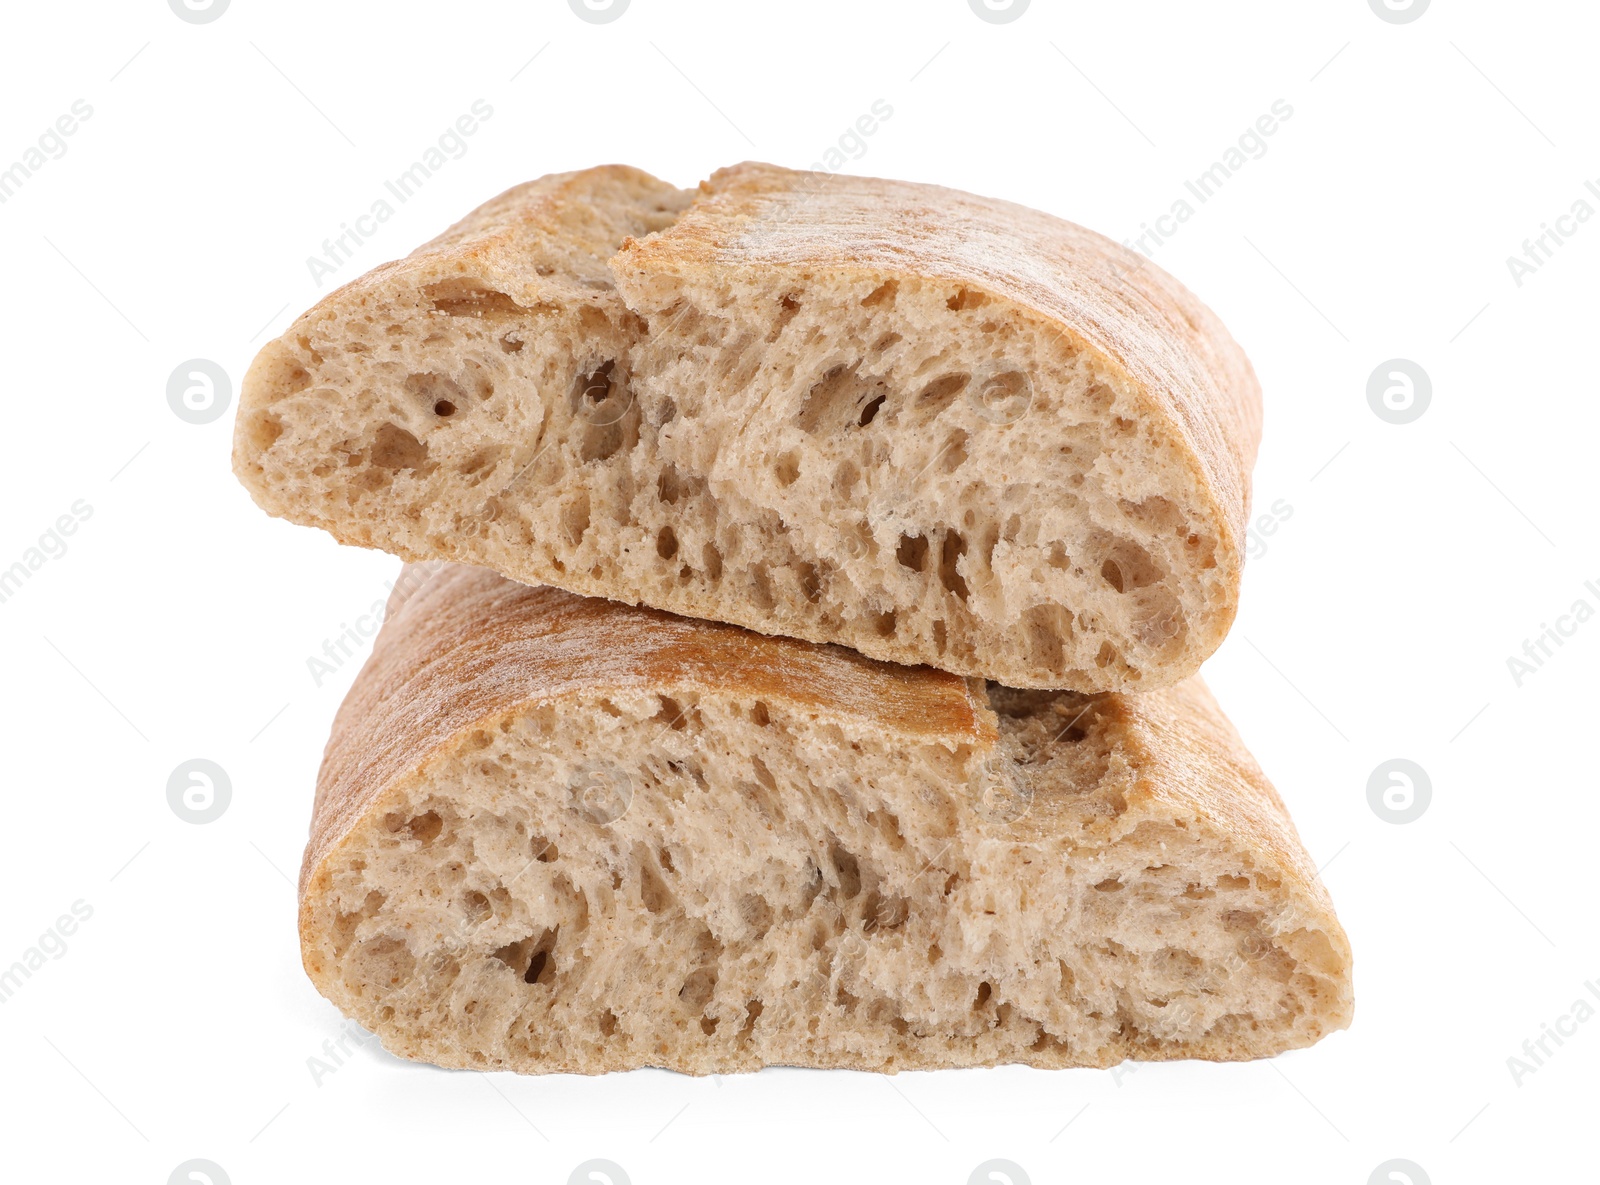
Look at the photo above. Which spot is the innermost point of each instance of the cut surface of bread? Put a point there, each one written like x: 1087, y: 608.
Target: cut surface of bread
x: 555, y: 833
x: 934, y: 427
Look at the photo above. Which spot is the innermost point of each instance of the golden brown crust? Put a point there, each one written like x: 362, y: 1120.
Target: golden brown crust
x: 467, y: 646
x: 1139, y: 322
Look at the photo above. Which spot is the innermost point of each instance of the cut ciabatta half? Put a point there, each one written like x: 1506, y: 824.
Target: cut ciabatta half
x: 934, y: 427
x: 555, y: 833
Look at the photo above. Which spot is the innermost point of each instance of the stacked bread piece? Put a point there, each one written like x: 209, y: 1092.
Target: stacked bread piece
x: 822, y: 689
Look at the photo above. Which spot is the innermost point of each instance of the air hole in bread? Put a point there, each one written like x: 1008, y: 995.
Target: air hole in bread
x: 951, y: 548
x: 385, y: 961
x: 595, y: 386
x: 763, y: 774
x: 476, y: 906
x: 788, y: 306
x: 444, y: 408
x: 941, y: 393
x: 752, y: 1013
x: 697, y: 990
x: 757, y: 915
x: 810, y: 580
x: 761, y: 587
x: 575, y: 519
x: 1112, y: 574
x: 883, y: 294
x: 840, y: 399
x: 539, y: 968
x: 671, y: 714
x: 653, y: 892
x: 471, y: 298
x: 477, y: 463
x: 425, y: 827
x: 602, y: 405
x: 295, y: 380
x: 884, y: 913
x: 953, y: 454
x: 847, y: 869
x: 666, y: 543
x: 1046, y: 634
x: 265, y: 430
x: 912, y: 552
x: 395, y: 448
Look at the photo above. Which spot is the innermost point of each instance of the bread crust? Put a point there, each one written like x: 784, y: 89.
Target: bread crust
x: 469, y: 649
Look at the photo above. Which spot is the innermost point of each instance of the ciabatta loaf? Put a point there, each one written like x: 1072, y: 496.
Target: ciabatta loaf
x: 934, y: 427
x: 555, y: 833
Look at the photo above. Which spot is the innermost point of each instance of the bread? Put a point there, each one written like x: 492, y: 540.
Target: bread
x: 934, y: 427
x: 555, y: 833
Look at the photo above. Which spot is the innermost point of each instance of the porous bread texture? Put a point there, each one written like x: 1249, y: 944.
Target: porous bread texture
x: 935, y: 428
x: 596, y: 871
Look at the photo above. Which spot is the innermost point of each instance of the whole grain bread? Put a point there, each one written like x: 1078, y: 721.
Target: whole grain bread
x: 934, y: 427
x: 555, y: 833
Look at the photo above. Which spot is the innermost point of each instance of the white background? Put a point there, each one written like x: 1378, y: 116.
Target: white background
x: 1376, y: 624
